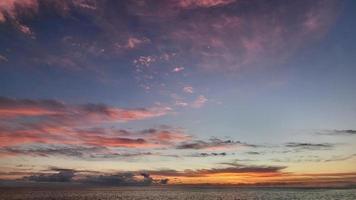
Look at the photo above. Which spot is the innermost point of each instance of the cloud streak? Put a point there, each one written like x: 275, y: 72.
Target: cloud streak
x: 59, y: 111
x: 212, y: 144
x: 310, y: 146
x: 339, y: 132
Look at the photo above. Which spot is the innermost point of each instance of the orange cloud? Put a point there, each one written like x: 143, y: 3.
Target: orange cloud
x: 69, y: 134
x: 25, y: 121
x: 255, y: 176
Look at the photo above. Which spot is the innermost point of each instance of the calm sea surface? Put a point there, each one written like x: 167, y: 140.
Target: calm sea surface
x: 158, y: 193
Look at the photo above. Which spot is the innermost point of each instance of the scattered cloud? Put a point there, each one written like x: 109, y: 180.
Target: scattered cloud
x: 253, y: 153
x: 340, y: 158
x: 187, y: 4
x: 199, y: 102
x: 51, y: 150
x: 211, y: 144
x: 188, y: 89
x: 310, y: 146
x: 178, y: 69
x: 215, y: 34
x: 336, y: 132
x: 166, y: 135
x: 313, y: 159
x: 233, y: 169
x: 213, y: 154
x: 3, y: 58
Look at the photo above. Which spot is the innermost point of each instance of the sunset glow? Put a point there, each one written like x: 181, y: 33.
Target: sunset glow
x: 178, y: 92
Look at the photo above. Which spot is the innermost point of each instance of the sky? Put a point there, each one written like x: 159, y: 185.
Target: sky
x: 152, y: 92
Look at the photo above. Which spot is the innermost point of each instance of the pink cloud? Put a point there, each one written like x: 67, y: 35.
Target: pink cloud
x: 49, y: 133
x: 178, y: 69
x: 3, y: 58
x: 58, y: 111
x: 133, y: 42
x: 203, y: 3
x: 10, y: 8
x: 188, y: 89
x: 199, y: 102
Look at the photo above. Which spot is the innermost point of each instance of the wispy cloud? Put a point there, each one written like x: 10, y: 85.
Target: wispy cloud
x: 232, y: 169
x: 51, y: 121
x: 221, y: 40
x: 310, y: 146
x: 13, y: 8
x: 99, y: 137
x: 199, y: 102
x: 211, y: 144
x: 213, y: 154
x: 59, y: 111
x: 203, y: 3
x: 339, y: 132
x: 51, y: 150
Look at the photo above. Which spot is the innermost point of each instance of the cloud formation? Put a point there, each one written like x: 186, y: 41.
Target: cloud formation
x: 88, y: 138
x: 59, y: 111
x: 13, y: 8
x: 61, y: 176
x: 340, y: 132
x: 310, y: 146
x: 26, y: 121
x: 215, y: 34
x: 87, y: 177
x: 211, y: 144
x: 233, y: 168
x: 52, y: 150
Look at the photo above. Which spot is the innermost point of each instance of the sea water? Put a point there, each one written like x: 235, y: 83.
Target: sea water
x: 184, y: 193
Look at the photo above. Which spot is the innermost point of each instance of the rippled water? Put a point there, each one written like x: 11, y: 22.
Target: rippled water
x: 154, y: 193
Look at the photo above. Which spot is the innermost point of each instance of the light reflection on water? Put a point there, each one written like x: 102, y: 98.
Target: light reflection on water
x: 176, y: 193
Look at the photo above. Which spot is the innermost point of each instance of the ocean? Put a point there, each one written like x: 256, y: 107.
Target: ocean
x: 184, y: 193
